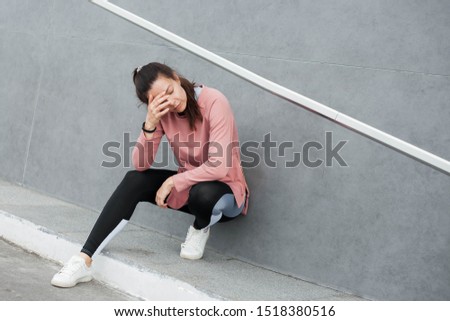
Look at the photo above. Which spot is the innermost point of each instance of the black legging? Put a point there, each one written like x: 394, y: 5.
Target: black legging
x: 142, y: 186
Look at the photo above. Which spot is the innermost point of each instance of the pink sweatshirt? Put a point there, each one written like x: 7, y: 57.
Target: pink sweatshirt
x: 209, y: 153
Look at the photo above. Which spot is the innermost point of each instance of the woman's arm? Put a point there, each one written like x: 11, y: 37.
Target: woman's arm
x: 145, y: 150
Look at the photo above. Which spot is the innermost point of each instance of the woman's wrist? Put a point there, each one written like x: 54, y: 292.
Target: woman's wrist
x: 170, y: 182
x: 148, y: 127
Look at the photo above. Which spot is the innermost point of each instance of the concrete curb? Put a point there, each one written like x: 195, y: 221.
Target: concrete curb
x: 140, y: 282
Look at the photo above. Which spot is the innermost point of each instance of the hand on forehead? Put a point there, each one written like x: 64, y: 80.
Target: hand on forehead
x: 160, y: 87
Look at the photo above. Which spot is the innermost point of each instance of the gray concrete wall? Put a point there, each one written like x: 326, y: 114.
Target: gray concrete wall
x: 376, y: 228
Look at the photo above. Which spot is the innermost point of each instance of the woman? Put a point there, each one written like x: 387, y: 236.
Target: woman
x: 209, y: 184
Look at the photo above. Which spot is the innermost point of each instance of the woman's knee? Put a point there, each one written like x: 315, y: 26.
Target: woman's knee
x: 148, y: 181
x: 198, y: 196
x: 203, y: 196
x: 134, y: 178
x: 196, y: 193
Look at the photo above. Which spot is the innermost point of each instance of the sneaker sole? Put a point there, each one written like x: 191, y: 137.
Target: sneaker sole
x: 69, y: 285
x: 191, y: 257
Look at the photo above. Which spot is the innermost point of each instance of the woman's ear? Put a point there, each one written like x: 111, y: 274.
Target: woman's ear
x: 175, y: 76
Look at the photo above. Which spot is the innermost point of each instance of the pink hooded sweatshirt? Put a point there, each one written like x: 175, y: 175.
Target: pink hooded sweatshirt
x: 209, y: 153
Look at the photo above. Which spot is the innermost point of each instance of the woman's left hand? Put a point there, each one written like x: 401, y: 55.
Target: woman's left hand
x: 163, y: 192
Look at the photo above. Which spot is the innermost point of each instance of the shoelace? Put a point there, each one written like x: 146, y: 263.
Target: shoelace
x: 70, y: 268
x: 194, y: 237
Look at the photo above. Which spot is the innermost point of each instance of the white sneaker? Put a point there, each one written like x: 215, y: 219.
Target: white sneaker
x: 194, y: 245
x: 73, y: 272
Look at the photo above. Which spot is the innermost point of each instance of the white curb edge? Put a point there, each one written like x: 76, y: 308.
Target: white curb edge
x: 147, y: 285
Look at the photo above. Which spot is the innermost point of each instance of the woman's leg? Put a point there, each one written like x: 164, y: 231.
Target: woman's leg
x: 210, y: 202
x: 207, y: 201
x: 135, y: 187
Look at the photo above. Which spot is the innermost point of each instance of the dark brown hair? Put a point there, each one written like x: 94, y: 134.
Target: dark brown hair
x: 145, y: 77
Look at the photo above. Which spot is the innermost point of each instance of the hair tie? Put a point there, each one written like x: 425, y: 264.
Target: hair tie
x: 138, y: 68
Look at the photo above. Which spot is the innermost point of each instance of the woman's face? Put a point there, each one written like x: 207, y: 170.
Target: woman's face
x: 175, y: 93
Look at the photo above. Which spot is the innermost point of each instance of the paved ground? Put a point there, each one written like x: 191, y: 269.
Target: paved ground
x: 26, y: 276
x: 139, y: 260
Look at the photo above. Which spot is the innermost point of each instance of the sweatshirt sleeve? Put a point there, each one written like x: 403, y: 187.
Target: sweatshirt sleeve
x: 219, y: 150
x: 144, y: 151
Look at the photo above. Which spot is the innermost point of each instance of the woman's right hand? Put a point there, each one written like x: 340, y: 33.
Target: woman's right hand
x: 157, y: 107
